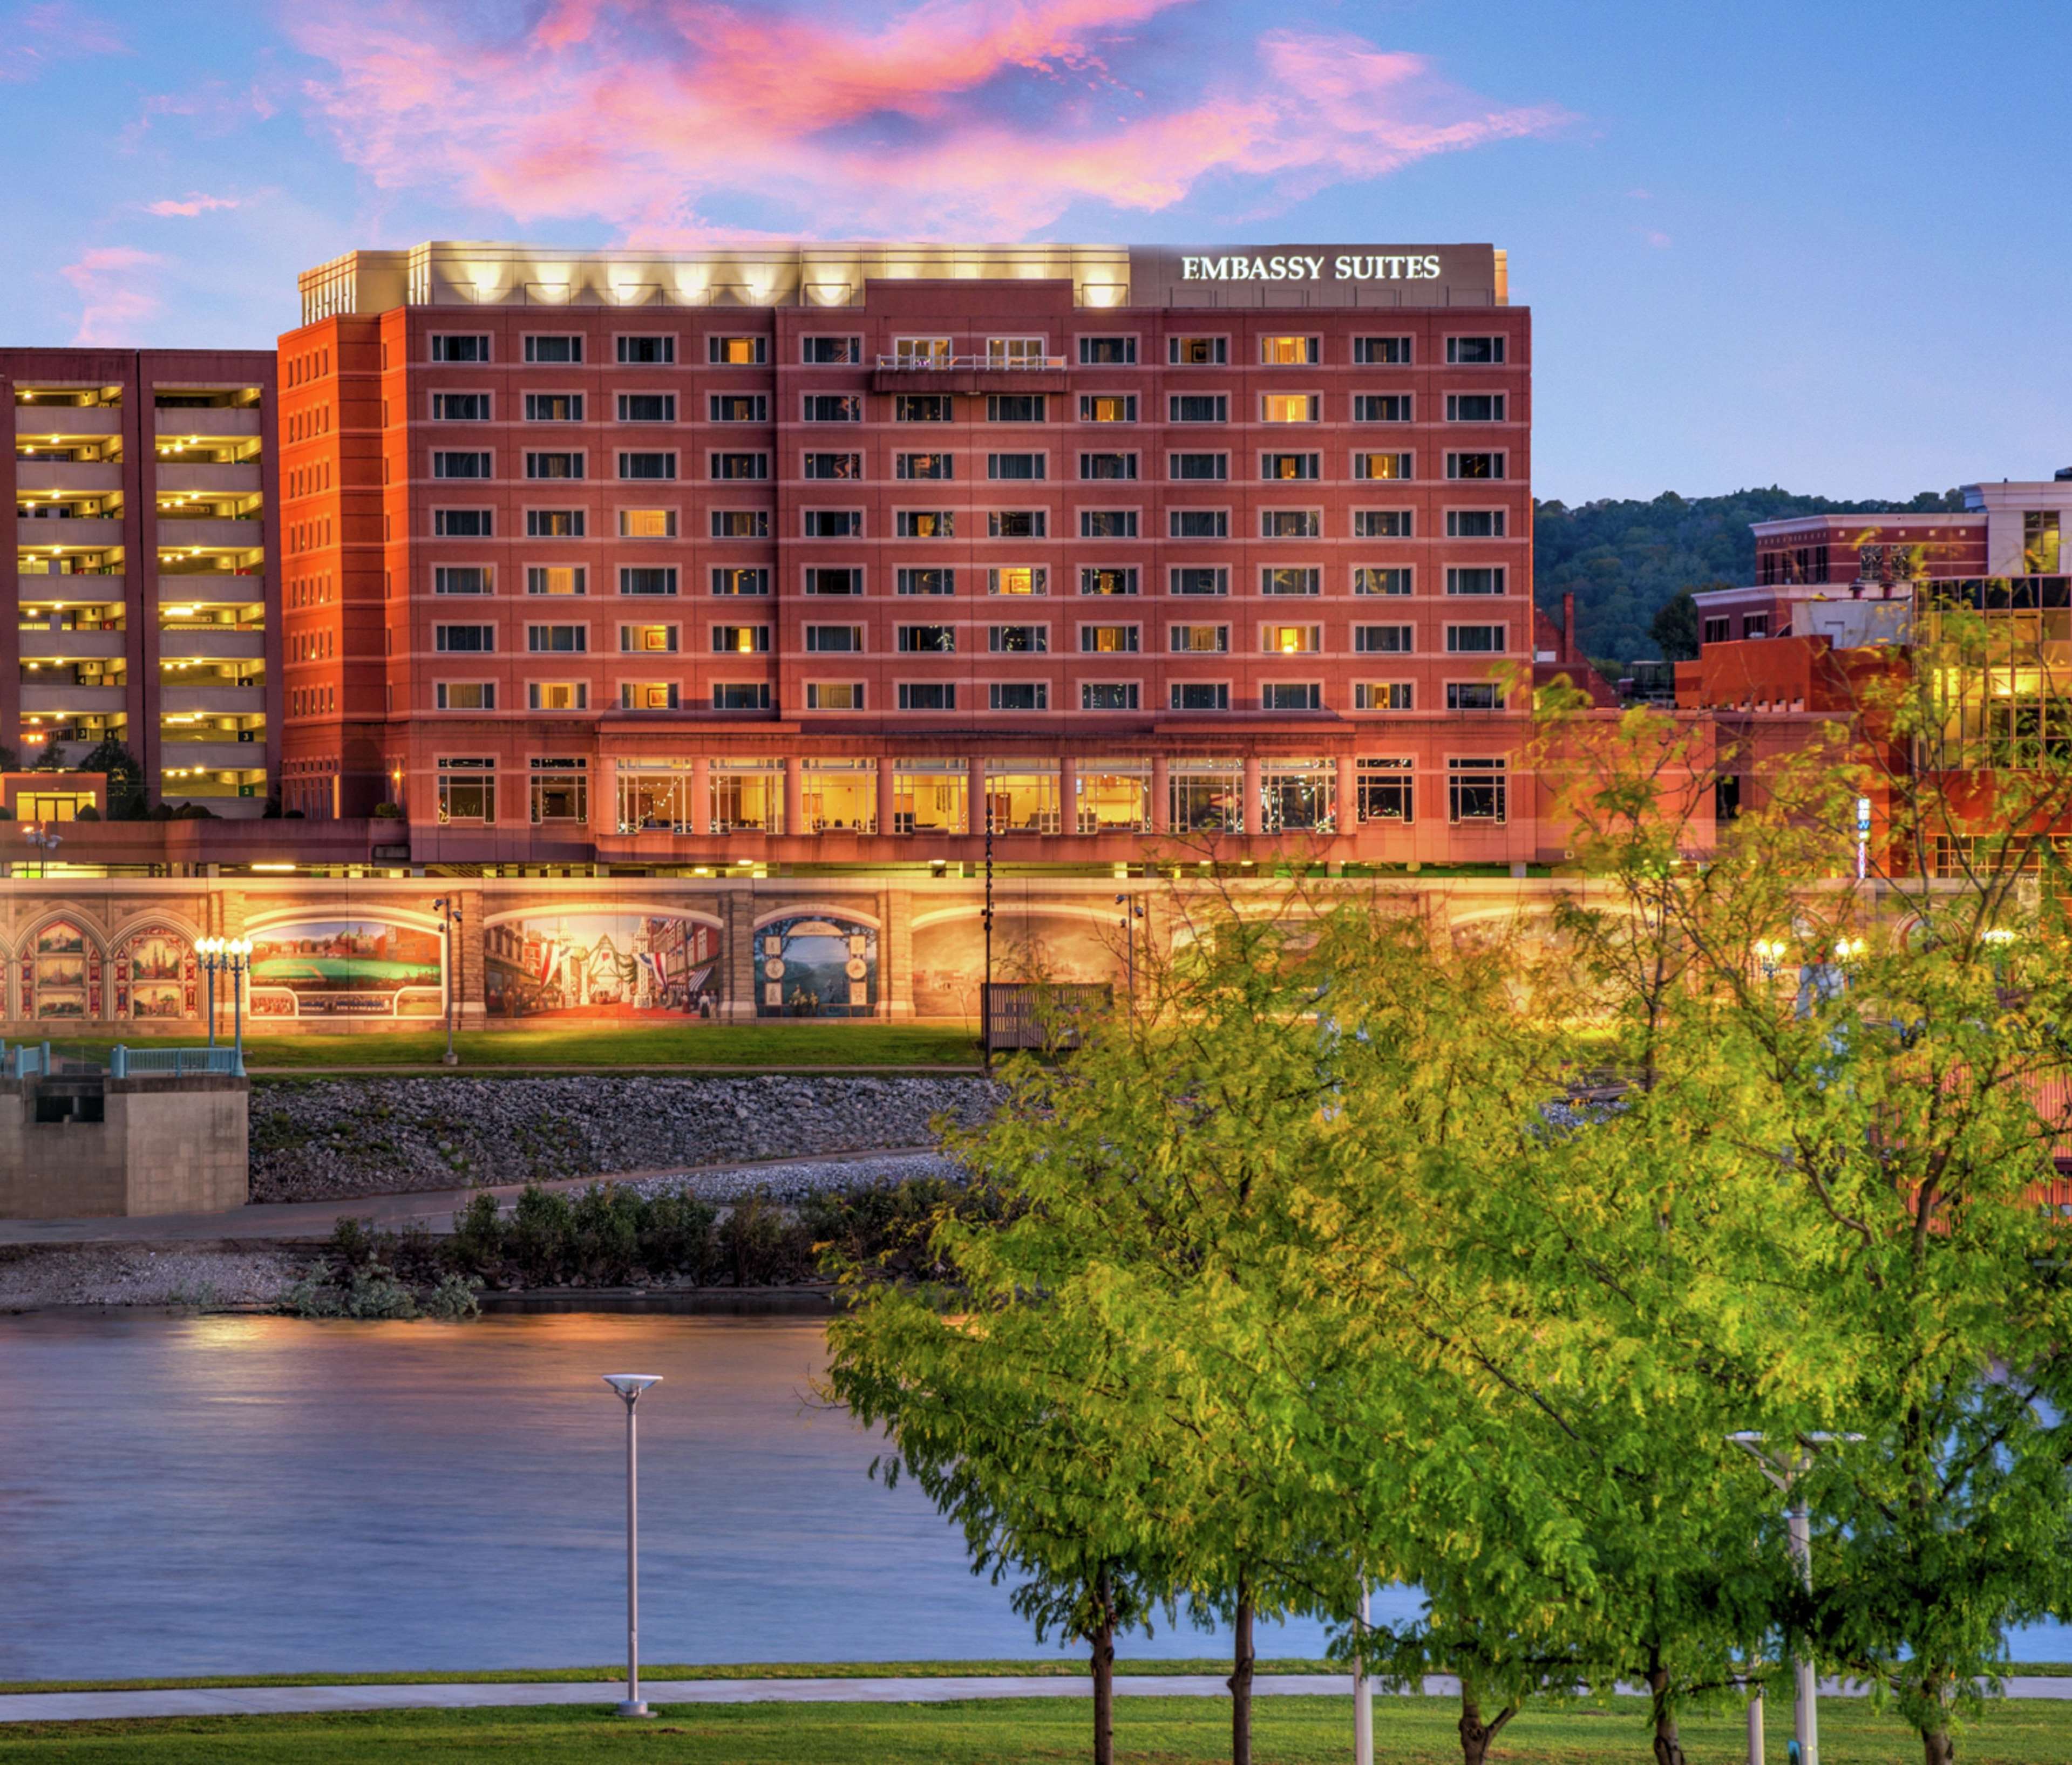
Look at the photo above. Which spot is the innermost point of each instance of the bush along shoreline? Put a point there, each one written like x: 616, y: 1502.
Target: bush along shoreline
x: 612, y: 1236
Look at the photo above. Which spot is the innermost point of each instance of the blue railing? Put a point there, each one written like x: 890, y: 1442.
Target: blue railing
x: 172, y: 1062
x: 25, y: 1061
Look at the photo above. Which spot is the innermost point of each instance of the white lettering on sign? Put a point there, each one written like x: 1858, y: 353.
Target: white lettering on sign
x: 1346, y: 267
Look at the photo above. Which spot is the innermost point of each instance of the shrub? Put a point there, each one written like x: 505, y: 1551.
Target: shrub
x: 679, y: 1238
x: 541, y: 1225
x: 605, y: 1222
x: 759, y: 1247
x: 453, y: 1299
x: 477, y: 1246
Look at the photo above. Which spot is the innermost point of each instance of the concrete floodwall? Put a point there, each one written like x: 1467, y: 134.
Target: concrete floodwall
x: 79, y: 1148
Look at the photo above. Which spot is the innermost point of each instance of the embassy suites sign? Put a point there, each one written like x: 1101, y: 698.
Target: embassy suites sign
x: 1318, y: 275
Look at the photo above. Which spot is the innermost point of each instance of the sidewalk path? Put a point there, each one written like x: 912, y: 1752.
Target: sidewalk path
x: 432, y: 1208
x: 301, y: 1700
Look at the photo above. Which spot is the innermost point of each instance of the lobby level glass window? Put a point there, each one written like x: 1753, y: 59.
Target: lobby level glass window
x: 654, y: 796
x: 1021, y: 798
x: 561, y: 790
x: 1298, y: 796
x: 467, y: 790
x: 840, y: 796
x: 1114, y: 797
x: 747, y: 796
x: 1206, y: 796
x: 929, y: 796
x: 1388, y: 790
x: 1476, y: 790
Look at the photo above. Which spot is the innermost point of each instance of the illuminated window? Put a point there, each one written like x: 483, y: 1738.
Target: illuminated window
x: 922, y: 351
x: 927, y: 524
x: 740, y: 639
x: 648, y: 637
x: 1383, y: 696
x: 1382, y: 579
x: 1108, y: 407
x: 467, y: 790
x: 1196, y: 351
x: 557, y: 695
x: 834, y: 695
x: 2039, y: 542
x: 1109, y: 639
x: 735, y: 351
x: 1289, y: 408
x: 1291, y: 639
x: 1385, y: 466
x: 647, y: 523
x: 561, y: 790
x: 1386, y: 790
x: 647, y: 695
x: 1015, y: 352
x: 1199, y: 639
x: 465, y: 696
x: 1017, y: 579
x: 1288, y: 352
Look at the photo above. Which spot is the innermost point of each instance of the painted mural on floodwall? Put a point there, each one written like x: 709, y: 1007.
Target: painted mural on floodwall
x: 355, y: 967
x: 816, y: 965
x: 949, y: 955
x: 601, y: 964
x: 157, y: 975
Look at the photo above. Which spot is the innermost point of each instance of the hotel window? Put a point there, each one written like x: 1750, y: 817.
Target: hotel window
x: 447, y: 465
x: 1386, y: 790
x: 927, y: 695
x: 1197, y: 352
x: 1383, y: 696
x: 1474, y: 466
x: 1015, y: 465
x: 1290, y: 351
x: 1017, y: 524
x: 735, y: 351
x: 835, y: 639
x: 816, y: 407
x: 840, y: 581
x: 1200, y: 696
x: 1198, y: 524
x: 1199, y: 579
x: 821, y: 351
x: 1755, y: 624
x: 554, y: 524
x: 930, y: 465
x: 740, y: 524
x: 648, y: 579
x: 476, y: 638
x: 1204, y: 796
x: 557, y: 695
x: 1487, y: 580
x: 1288, y: 466
x: 906, y: 407
x: 1475, y: 790
x: 1298, y: 796
x: 561, y: 790
x: 467, y: 791
x: 1474, y: 640
x: 556, y: 579
x: 647, y: 523
x: 747, y: 796
x: 553, y: 349
x: 834, y: 695
x: 935, y: 638
x: 1109, y: 639
x: 1382, y: 579
x: 2039, y: 542
x: 1106, y: 352
x: 1108, y: 465
x: 648, y: 695
x: 1291, y: 524
x: 927, y: 581
x: 1198, y: 639
x: 553, y: 407
x: 1716, y: 630
x: 1381, y: 352
x: 463, y: 579
x: 1018, y: 696
x: 1291, y: 640
x: 1014, y: 408
x: 740, y: 639
x: 1107, y: 696
x: 647, y: 351
x: 1382, y: 639
x: 1474, y: 407
x: 553, y: 466
x: 1198, y: 466
x: 730, y: 579
x: 1015, y: 352
x: 1474, y: 523
x: 648, y: 465
x: 923, y: 352
x: 1285, y: 579
x: 840, y: 795
x: 648, y: 638
x: 1472, y: 695
x: 926, y: 523
x: 1198, y: 407
x: 465, y: 696
x: 841, y: 466
x: 1018, y: 639
x: 1107, y: 407
x: 1291, y: 696
x: 1381, y: 407
x: 1290, y: 408
x: 460, y: 407
x: 740, y: 696
x: 1107, y: 523
x: 740, y: 465
x: 1383, y: 523
x: 1462, y: 351
x: 833, y: 523
x: 460, y: 349
x: 654, y: 408
x: 558, y: 639
x: 464, y: 523
x: 1107, y: 579
x: 1381, y: 465
x: 1018, y: 579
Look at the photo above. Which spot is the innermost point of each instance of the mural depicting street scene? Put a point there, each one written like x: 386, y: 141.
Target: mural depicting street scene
x: 815, y: 966
x: 356, y: 967
x: 601, y: 965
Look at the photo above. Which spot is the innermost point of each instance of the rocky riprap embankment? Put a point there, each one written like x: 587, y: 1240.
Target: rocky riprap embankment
x: 313, y: 1139
x: 202, y: 1277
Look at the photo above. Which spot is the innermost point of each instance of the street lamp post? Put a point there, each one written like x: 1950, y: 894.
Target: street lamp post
x: 629, y: 1386
x: 1363, y: 1693
x: 448, y: 908
x: 211, y: 951
x: 1131, y: 912
x: 1769, y: 952
x: 985, y: 990
x: 237, y: 953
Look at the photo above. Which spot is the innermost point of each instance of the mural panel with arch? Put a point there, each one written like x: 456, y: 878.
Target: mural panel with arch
x: 814, y: 963
x: 1071, y: 945
x: 345, y: 965
x: 603, y: 962
x: 60, y: 966
x: 158, y: 976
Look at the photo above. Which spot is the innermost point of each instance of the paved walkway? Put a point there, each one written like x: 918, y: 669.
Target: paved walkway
x: 296, y: 1700
x: 432, y: 1208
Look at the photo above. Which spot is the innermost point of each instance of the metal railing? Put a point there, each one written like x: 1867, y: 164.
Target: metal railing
x: 173, y: 1062
x: 26, y: 1060
x: 967, y: 364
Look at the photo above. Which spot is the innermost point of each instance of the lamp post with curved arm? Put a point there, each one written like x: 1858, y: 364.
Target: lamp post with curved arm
x: 629, y: 1386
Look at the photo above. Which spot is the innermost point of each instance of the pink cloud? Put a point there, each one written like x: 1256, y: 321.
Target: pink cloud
x: 948, y: 117
x: 193, y: 203
x: 36, y: 36
x: 113, y: 298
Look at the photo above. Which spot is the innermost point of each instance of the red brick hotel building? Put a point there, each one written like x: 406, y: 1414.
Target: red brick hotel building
x: 816, y: 555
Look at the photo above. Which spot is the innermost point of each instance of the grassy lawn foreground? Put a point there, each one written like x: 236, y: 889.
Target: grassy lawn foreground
x: 1289, y: 1731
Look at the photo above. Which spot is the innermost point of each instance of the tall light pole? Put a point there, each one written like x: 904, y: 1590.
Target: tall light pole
x: 985, y: 990
x: 1363, y: 1692
x: 1131, y: 912
x: 237, y: 953
x: 629, y: 1386
x: 211, y: 951
x: 448, y: 908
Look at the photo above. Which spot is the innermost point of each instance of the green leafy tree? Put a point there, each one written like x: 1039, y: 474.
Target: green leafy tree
x: 127, y: 800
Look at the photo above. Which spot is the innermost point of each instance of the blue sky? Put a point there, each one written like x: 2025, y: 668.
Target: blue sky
x: 1813, y: 245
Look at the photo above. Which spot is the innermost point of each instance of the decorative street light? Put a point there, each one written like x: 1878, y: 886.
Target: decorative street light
x: 236, y: 957
x: 447, y: 907
x: 1771, y: 952
x: 629, y: 1386
x: 211, y: 951
x: 1131, y: 912
x: 40, y: 836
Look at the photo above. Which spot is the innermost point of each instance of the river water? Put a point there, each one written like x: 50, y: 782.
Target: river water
x: 265, y: 1494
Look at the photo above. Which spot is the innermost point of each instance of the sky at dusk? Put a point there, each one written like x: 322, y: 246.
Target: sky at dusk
x: 1804, y: 243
